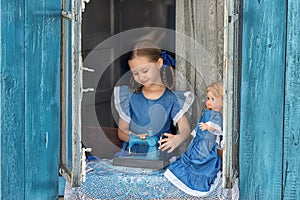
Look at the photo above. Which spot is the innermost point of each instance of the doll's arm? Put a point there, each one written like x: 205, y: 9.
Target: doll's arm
x: 171, y: 142
x: 204, y: 127
x: 211, y: 127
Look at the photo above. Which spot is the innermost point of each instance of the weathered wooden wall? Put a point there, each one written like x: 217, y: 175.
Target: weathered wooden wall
x: 30, y: 100
x: 291, y: 140
x: 29, y: 94
x: 270, y: 102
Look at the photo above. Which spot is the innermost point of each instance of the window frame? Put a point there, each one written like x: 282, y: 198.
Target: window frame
x: 71, y: 12
x: 231, y: 77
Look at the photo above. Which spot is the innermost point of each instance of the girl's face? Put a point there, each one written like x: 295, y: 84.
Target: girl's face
x: 214, y: 103
x: 144, y: 71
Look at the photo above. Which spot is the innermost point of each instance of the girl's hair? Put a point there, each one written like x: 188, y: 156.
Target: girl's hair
x: 216, y: 89
x: 150, y: 50
x: 146, y: 48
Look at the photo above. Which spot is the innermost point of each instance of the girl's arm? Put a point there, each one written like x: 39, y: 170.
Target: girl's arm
x: 123, y: 130
x: 171, y: 142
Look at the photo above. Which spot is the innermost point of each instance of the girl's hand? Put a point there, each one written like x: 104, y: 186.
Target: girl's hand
x: 143, y: 136
x: 171, y: 141
x: 203, y: 126
x: 166, y: 143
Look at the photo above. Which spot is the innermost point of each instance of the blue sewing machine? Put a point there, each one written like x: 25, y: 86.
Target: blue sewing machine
x: 152, y: 142
x: 150, y: 160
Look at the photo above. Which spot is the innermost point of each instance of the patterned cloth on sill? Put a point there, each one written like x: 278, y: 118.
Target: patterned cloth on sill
x: 105, y: 181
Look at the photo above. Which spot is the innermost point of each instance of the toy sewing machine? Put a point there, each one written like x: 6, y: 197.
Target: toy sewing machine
x: 152, y: 142
x: 150, y: 160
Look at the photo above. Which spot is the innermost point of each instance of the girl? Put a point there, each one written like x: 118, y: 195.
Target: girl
x: 197, y: 171
x: 151, y: 104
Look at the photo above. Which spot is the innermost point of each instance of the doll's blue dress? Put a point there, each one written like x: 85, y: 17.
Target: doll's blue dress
x: 197, y: 171
x: 143, y: 114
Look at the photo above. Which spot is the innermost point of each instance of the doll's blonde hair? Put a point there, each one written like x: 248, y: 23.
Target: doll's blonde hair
x: 216, y: 89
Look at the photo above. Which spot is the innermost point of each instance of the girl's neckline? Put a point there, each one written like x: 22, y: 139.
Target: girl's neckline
x: 153, y: 99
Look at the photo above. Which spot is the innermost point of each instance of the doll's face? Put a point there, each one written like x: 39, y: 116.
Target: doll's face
x: 144, y: 71
x: 214, y: 103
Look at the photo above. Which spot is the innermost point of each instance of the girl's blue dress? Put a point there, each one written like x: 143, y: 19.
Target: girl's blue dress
x: 143, y: 114
x: 197, y: 171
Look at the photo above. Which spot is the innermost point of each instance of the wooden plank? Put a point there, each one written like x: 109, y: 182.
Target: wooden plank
x: 262, y: 92
x: 42, y: 98
x: 76, y: 93
x: 12, y: 99
x: 291, y: 161
x: 231, y: 88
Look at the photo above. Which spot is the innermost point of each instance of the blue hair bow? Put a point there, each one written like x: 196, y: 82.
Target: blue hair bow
x: 168, y: 60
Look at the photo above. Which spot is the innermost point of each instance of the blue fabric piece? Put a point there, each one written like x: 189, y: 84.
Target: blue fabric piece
x: 105, y: 181
x: 168, y: 60
x: 122, y: 99
x: 146, y: 113
x: 197, y: 168
x: 114, y: 182
x: 91, y: 158
x: 184, y: 97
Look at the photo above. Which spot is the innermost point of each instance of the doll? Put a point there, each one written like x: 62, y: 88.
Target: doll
x: 197, y: 171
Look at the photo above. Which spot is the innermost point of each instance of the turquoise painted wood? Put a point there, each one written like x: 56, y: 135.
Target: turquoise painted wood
x: 30, y: 99
x: 262, y: 99
x: 12, y: 96
x: 291, y: 161
x: 29, y: 94
x: 42, y: 98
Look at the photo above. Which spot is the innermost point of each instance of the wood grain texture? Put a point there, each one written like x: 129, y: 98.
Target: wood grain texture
x: 12, y: 100
x: 291, y: 161
x: 262, y: 99
x: 42, y: 98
